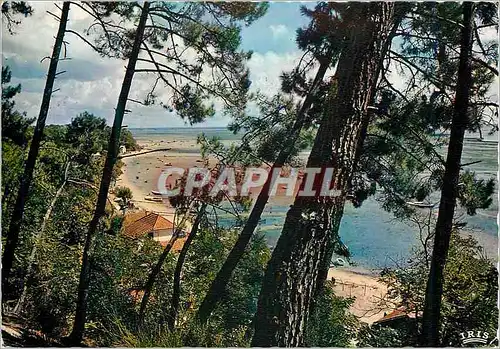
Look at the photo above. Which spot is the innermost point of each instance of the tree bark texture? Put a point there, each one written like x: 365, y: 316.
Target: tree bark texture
x: 300, y: 261
x: 218, y: 286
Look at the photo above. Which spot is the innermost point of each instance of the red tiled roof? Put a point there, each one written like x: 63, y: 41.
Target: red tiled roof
x: 148, y: 223
x: 395, y: 314
x: 136, y: 294
x: 178, y: 244
x: 131, y: 217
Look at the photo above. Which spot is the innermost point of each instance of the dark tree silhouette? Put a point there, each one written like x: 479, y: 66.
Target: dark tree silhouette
x: 450, y: 189
x: 321, y: 37
x: 76, y: 335
x: 23, y: 193
x: 176, y: 293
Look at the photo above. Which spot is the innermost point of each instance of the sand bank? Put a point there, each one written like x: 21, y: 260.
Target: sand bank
x: 141, y: 171
x: 368, y: 291
x: 141, y: 174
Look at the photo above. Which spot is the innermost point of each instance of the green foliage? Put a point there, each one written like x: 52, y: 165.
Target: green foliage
x: 14, y: 123
x: 125, y: 195
x: 475, y: 193
x: 470, y: 291
x: 399, y: 151
x: 194, y: 335
x: 400, y: 155
x: 51, y: 295
x: 51, y: 289
x: 120, y: 267
x: 326, y: 28
x: 383, y: 337
x: 469, y: 295
x: 12, y: 169
x: 128, y: 140
x: 231, y: 323
x: 83, y: 126
x: 146, y: 338
x: 204, y: 260
x: 402, y: 152
x: 55, y: 134
x: 183, y: 43
x: 330, y: 324
x: 88, y: 135
x: 240, y: 303
x: 189, y: 105
x: 245, y: 11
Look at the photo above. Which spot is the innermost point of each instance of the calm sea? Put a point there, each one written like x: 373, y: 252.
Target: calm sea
x: 374, y: 237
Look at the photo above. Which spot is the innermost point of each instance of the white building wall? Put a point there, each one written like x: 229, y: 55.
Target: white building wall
x: 163, y: 235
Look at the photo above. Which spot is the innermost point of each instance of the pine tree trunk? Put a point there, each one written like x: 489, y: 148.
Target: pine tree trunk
x: 176, y: 293
x: 27, y: 177
x: 449, y: 191
x: 218, y: 286
x: 301, y: 258
x: 111, y: 157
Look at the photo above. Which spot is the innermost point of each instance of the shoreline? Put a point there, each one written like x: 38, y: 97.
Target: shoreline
x: 353, y: 281
x: 368, y: 291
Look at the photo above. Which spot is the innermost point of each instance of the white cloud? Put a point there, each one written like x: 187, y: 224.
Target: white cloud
x: 265, y: 69
x: 279, y: 30
x: 488, y: 34
x: 93, y: 83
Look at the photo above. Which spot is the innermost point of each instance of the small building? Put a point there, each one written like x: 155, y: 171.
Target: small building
x: 400, y: 317
x: 152, y: 224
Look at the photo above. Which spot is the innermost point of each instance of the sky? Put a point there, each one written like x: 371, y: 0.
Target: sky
x: 92, y: 83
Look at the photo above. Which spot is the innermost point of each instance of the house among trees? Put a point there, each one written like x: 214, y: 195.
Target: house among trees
x: 141, y: 223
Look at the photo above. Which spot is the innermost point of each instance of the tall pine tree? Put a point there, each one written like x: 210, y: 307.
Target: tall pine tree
x: 450, y: 187
x: 23, y: 193
x: 301, y: 258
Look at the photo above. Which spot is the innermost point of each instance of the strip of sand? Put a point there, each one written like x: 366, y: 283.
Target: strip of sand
x: 366, y: 289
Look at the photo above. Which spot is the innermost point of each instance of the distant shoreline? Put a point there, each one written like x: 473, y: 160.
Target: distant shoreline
x: 180, y: 127
x: 470, y: 136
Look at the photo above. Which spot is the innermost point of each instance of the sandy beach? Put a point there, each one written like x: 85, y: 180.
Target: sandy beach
x: 141, y: 172
x: 365, y: 288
